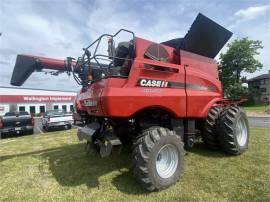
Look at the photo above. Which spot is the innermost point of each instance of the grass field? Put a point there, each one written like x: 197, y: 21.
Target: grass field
x: 257, y: 108
x: 54, y: 166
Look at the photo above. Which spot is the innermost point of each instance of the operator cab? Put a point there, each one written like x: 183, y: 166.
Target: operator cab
x: 121, y: 58
x: 96, y: 63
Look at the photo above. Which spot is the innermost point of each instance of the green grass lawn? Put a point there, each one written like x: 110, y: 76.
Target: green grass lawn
x: 54, y: 166
x: 257, y: 108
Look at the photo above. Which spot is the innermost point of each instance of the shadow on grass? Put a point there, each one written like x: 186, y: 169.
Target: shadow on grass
x: 72, y: 166
x: 201, y: 149
x: 55, y: 129
x: 15, y: 135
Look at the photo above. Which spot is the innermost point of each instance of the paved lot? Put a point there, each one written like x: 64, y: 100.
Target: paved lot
x: 259, y: 122
x: 38, y: 126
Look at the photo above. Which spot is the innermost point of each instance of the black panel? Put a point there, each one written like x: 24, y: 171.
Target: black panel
x: 205, y: 37
x: 174, y: 43
x: 24, y: 67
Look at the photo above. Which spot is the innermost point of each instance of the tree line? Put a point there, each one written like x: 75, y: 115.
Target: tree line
x: 240, y: 58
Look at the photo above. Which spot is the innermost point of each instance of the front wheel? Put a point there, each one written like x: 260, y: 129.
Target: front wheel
x: 158, y: 158
x: 233, y: 130
x: 47, y: 128
x: 68, y: 126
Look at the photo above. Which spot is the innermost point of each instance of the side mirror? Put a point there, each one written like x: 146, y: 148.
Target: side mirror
x: 111, y: 48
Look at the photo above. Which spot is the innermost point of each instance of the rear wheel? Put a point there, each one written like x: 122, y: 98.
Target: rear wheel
x: 68, y: 126
x: 44, y: 128
x: 158, y: 158
x: 47, y: 128
x: 209, y: 133
x: 233, y: 130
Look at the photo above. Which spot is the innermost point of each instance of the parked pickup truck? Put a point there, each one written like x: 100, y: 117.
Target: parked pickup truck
x: 56, y: 119
x: 16, y: 123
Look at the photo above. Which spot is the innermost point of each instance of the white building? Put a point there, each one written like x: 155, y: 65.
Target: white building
x: 34, y: 101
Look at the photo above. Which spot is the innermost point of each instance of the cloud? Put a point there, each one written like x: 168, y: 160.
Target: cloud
x: 27, y: 29
x: 254, y: 22
x: 252, y: 12
x: 59, y: 29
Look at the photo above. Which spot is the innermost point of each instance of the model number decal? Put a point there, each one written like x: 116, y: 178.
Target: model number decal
x: 90, y: 103
x: 153, y: 83
x: 149, y: 90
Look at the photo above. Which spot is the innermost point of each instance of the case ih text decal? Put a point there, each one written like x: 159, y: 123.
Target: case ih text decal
x: 153, y: 83
x: 169, y: 84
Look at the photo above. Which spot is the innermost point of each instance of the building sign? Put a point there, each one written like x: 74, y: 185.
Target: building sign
x: 34, y: 98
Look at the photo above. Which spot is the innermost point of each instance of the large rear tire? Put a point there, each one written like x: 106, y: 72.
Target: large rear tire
x: 158, y: 158
x: 233, y: 130
x: 209, y: 134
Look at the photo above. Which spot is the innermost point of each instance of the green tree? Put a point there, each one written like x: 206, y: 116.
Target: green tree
x: 239, y: 58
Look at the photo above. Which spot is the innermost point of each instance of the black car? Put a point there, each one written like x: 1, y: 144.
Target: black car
x: 16, y: 123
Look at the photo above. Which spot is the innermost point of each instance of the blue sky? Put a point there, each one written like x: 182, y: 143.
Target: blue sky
x: 62, y: 28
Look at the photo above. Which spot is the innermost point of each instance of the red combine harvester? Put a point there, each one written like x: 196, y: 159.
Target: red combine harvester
x: 161, y: 97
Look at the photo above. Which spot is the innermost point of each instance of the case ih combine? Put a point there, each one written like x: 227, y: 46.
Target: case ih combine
x: 161, y: 97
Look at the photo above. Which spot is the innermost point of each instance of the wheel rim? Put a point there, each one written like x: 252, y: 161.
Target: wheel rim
x: 241, y: 131
x: 167, y: 161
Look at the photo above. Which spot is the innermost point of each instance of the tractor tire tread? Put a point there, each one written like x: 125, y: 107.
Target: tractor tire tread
x: 226, y: 126
x: 209, y: 134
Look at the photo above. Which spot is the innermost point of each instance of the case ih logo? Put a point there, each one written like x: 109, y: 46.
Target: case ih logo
x: 153, y: 83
